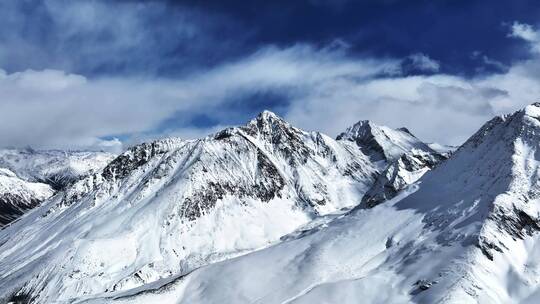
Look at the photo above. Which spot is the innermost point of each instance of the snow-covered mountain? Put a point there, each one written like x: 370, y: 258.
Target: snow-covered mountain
x: 467, y: 232
x: 28, y: 177
x: 400, y: 156
x: 17, y: 195
x: 162, y: 209
x: 54, y: 167
x: 399, y: 174
x: 382, y: 143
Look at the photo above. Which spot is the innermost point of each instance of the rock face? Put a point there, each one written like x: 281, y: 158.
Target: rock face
x: 28, y: 177
x: 164, y: 208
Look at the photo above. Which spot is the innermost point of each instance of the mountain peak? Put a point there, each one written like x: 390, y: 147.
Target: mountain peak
x: 360, y: 129
x: 267, y: 117
x: 267, y: 123
x: 381, y: 142
x: 267, y: 114
x: 494, y: 173
x: 523, y: 124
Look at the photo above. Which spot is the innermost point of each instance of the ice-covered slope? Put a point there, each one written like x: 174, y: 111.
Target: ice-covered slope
x: 17, y: 196
x: 162, y: 209
x: 466, y: 233
x: 383, y: 143
x: 54, y: 167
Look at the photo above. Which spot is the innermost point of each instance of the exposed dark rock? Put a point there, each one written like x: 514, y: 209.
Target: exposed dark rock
x: 13, y: 206
x: 421, y: 286
x: 20, y: 298
x: 128, y: 161
x: 515, y: 222
x: 487, y: 247
x: 265, y: 188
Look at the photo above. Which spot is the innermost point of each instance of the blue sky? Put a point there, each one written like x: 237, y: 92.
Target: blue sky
x: 105, y: 74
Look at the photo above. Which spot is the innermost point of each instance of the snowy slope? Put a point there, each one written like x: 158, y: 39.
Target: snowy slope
x: 17, y: 195
x: 164, y: 208
x: 467, y: 232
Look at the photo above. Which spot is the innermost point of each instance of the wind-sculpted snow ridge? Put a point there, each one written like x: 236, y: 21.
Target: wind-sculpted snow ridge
x: 162, y: 209
x: 467, y: 232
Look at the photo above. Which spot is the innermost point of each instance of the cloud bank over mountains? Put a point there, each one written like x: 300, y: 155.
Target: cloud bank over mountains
x: 65, y: 102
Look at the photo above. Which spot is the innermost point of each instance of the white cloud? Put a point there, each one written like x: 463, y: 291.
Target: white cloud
x: 424, y: 63
x: 499, y: 65
x: 327, y: 90
x: 524, y: 31
x: 527, y: 33
x: 436, y: 108
x: 54, y: 109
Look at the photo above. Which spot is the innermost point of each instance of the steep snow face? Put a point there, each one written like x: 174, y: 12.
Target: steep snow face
x: 383, y: 143
x: 53, y: 167
x: 467, y: 232
x: 162, y: 209
x: 17, y: 195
